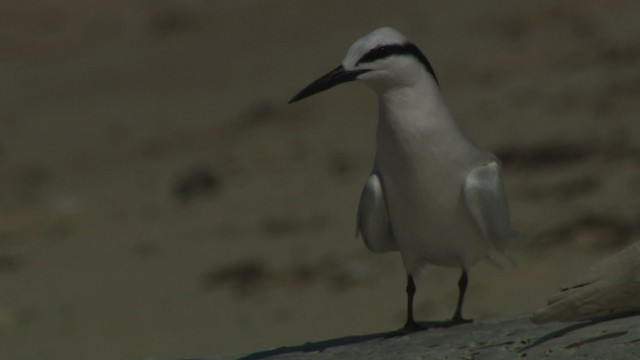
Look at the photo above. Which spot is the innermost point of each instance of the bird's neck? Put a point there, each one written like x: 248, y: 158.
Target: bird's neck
x: 417, y: 110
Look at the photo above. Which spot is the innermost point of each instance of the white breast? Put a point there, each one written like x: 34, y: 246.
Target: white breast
x: 423, y: 163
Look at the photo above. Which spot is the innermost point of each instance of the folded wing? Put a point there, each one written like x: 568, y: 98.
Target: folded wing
x: 373, y: 219
x: 485, y: 198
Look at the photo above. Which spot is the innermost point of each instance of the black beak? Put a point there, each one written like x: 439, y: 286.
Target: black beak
x: 334, y: 77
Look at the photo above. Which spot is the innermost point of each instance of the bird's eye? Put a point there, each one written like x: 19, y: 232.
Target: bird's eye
x: 380, y: 52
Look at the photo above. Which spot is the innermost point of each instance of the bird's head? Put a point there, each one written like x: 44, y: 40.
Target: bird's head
x: 382, y: 59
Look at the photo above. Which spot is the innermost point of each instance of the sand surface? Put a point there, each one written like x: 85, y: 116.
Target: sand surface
x: 158, y: 197
x: 494, y: 339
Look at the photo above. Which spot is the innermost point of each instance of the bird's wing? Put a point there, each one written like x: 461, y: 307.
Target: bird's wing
x: 485, y: 198
x: 373, y: 218
x: 609, y: 287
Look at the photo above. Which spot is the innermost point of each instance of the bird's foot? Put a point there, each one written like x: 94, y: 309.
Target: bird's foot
x: 412, y: 326
x: 409, y: 328
x: 457, y: 320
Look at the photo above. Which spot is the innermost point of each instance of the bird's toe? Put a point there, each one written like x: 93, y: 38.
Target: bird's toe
x: 459, y: 320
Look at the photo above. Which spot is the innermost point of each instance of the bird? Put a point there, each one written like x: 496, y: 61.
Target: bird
x: 432, y: 194
x: 609, y: 288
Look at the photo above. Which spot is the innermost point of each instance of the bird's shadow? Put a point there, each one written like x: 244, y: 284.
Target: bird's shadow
x: 315, y: 346
x: 343, y: 341
x: 564, y: 331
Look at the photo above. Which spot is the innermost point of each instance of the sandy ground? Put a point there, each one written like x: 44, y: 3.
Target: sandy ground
x: 493, y: 339
x: 159, y: 198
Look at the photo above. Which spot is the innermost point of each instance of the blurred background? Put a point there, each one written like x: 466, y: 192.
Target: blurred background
x: 158, y: 197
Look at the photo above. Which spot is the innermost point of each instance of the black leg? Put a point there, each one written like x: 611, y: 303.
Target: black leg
x: 462, y: 287
x: 412, y: 326
x: 411, y: 291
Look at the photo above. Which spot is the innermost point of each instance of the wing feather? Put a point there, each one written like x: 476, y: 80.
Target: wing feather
x: 485, y: 198
x: 373, y: 219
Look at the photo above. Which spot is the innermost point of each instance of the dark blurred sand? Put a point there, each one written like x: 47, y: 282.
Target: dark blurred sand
x: 159, y: 198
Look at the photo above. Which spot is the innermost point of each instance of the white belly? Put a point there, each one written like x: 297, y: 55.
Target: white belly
x: 429, y: 220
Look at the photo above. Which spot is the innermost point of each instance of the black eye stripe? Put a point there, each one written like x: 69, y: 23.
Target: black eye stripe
x: 381, y: 52
x: 384, y: 51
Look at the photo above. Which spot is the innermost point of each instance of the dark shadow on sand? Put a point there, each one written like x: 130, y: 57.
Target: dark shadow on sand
x: 313, y: 346
x: 347, y: 340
